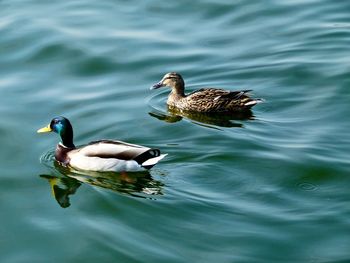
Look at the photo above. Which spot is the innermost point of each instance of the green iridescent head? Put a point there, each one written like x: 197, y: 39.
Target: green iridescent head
x: 62, y: 126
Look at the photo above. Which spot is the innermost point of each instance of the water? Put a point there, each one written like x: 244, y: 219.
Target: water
x: 273, y: 188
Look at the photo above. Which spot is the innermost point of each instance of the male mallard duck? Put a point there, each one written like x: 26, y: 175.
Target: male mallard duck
x: 102, y: 155
x: 206, y: 99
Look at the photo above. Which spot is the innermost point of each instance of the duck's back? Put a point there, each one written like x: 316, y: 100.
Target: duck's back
x: 217, y: 100
x: 113, y: 155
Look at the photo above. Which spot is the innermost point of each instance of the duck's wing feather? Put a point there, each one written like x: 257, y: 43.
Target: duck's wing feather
x: 219, y: 100
x: 119, y: 150
x: 233, y: 95
x: 217, y: 94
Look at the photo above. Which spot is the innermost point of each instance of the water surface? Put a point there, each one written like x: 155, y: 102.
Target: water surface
x: 273, y: 188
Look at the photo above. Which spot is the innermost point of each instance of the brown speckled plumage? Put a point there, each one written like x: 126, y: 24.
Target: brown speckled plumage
x: 206, y: 99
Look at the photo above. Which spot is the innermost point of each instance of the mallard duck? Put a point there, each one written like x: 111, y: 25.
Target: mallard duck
x: 206, y: 99
x: 102, y: 155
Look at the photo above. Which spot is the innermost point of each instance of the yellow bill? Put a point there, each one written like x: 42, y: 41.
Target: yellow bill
x: 45, y: 129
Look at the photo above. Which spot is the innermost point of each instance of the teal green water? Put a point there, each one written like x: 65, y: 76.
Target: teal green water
x: 274, y: 188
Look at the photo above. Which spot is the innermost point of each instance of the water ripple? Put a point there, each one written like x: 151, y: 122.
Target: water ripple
x: 253, y: 192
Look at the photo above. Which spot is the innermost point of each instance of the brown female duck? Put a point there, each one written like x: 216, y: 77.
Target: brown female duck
x: 210, y: 100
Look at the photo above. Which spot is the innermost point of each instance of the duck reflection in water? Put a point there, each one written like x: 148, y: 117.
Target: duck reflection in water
x: 217, y: 119
x: 62, y: 188
x: 67, y: 182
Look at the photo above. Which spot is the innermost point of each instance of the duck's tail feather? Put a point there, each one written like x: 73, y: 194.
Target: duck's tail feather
x: 152, y: 161
x: 253, y: 102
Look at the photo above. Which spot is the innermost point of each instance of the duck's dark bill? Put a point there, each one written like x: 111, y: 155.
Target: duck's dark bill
x: 157, y: 85
x: 45, y: 129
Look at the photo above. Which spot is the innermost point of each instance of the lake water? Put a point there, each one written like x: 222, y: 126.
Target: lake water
x: 272, y: 188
